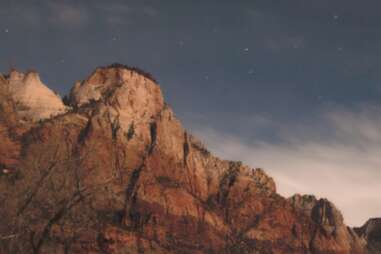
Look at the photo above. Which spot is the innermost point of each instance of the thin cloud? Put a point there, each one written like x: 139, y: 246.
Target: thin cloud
x: 113, y: 8
x: 337, y: 157
x: 150, y: 11
x: 20, y: 13
x: 57, y: 13
x: 66, y: 14
x: 114, y: 13
x: 284, y: 42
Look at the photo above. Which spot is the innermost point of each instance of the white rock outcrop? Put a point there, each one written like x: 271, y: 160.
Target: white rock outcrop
x: 128, y: 96
x: 34, y: 100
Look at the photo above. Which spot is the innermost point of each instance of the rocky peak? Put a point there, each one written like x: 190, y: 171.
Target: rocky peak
x: 33, y: 99
x: 106, y: 80
x: 325, y: 213
x: 322, y: 211
x: 119, y: 174
x: 372, y: 228
x: 128, y: 95
x: 330, y: 223
x: 303, y: 203
x: 264, y: 180
x: 371, y: 233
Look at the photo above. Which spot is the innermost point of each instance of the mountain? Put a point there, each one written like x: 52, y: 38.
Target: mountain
x: 371, y: 232
x: 113, y: 171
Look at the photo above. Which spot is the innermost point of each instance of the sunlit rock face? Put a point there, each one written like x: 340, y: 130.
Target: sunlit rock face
x: 34, y: 100
x: 119, y: 174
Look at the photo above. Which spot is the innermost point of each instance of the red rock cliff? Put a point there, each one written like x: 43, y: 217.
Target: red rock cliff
x: 117, y: 173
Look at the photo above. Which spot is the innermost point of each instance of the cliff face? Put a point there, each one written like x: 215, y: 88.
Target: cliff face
x: 340, y: 238
x: 370, y: 232
x: 117, y: 173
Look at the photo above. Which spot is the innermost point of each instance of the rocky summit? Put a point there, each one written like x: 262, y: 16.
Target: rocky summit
x: 113, y: 171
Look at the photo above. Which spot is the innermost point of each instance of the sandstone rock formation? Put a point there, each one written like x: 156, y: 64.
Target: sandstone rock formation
x: 331, y: 222
x: 117, y: 173
x: 370, y: 232
x: 34, y: 100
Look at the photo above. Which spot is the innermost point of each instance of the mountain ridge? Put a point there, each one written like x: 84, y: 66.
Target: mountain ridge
x: 117, y: 173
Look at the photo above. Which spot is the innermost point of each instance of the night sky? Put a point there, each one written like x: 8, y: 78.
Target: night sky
x: 290, y: 86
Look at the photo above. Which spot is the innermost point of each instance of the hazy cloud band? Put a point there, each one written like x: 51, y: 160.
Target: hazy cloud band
x: 337, y: 157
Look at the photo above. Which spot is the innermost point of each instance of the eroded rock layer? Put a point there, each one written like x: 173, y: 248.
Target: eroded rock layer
x: 117, y: 173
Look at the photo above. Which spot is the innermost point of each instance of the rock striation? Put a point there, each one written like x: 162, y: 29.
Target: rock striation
x: 117, y: 173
